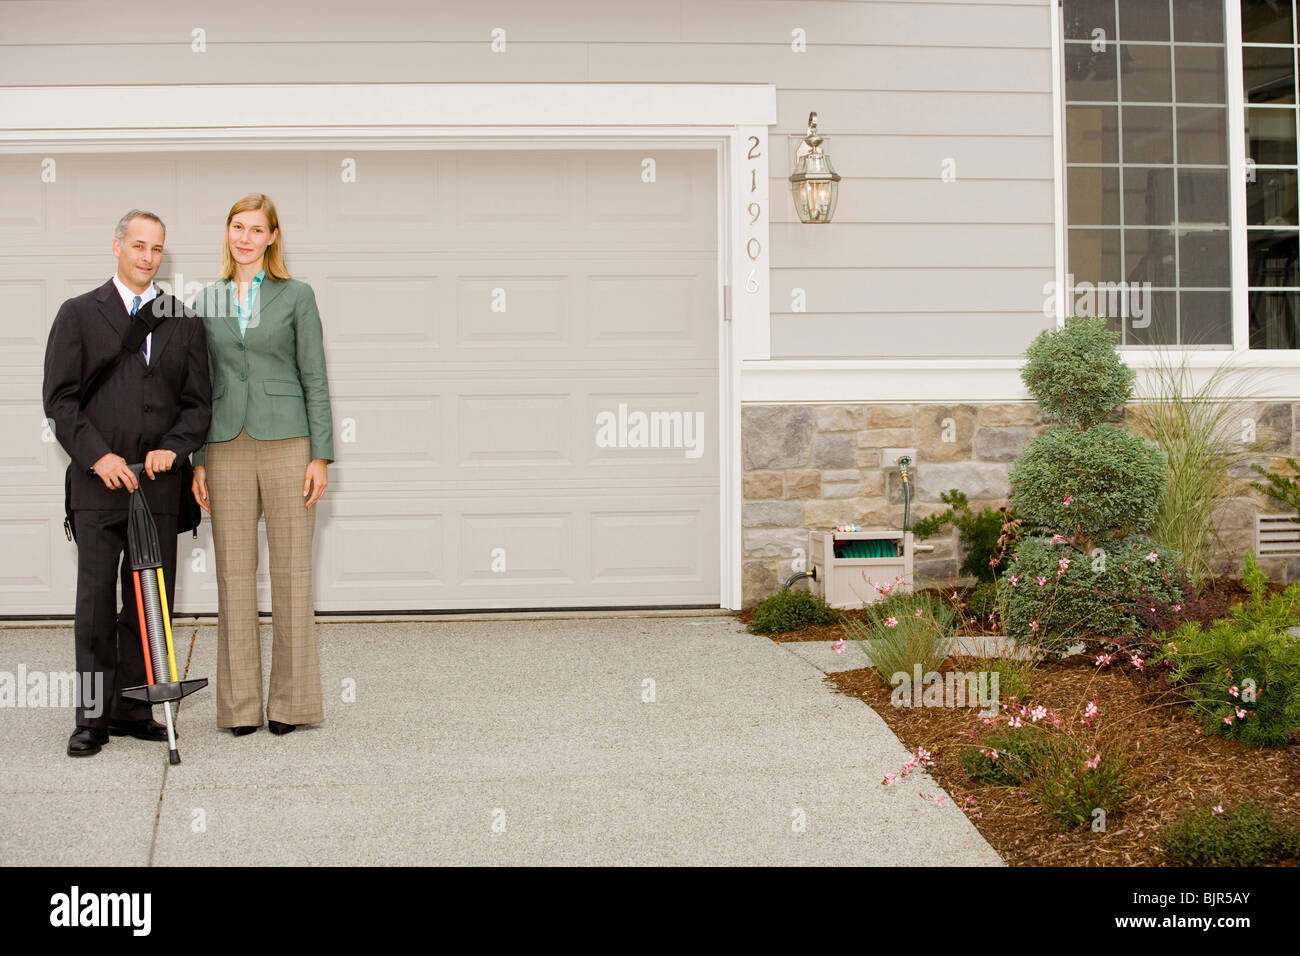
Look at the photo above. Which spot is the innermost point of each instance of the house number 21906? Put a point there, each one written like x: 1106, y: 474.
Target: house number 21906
x: 753, y: 248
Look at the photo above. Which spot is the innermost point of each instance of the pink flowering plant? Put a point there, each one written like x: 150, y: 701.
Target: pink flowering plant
x: 902, y: 630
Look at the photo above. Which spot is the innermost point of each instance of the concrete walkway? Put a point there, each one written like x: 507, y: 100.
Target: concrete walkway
x: 484, y: 742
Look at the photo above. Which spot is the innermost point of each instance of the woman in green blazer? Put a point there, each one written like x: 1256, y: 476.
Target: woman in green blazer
x: 267, y: 449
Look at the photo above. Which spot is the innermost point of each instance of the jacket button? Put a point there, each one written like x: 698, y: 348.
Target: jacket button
x: 243, y: 377
x: 146, y: 408
x: 240, y: 346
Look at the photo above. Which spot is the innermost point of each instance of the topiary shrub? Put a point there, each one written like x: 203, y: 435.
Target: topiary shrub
x: 1245, y: 835
x: 792, y: 611
x: 1086, y: 484
x: 1091, y: 594
x: 1075, y: 374
x: 1097, y: 484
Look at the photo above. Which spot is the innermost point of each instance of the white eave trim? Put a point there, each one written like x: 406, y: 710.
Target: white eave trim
x: 1264, y: 376
x: 44, y: 117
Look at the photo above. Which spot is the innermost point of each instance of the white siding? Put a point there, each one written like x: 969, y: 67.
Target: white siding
x: 945, y: 268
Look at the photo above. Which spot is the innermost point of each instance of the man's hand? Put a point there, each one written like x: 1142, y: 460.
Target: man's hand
x: 199, y: 488
x: 314, y: 482
x: 157, y: 461
x: 113, y: 472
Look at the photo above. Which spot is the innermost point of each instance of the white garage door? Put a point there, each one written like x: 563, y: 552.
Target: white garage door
x: 523, y: 362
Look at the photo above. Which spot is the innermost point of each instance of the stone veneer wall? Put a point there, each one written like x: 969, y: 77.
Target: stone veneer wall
x: 811, y: 467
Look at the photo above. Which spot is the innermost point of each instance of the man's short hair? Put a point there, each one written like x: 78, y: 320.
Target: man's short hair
x: 120, y: 231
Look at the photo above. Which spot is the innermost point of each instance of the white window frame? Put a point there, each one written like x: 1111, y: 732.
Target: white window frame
x: 53, y: 120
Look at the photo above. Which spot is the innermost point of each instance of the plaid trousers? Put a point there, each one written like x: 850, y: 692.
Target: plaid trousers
x: 246, y: 478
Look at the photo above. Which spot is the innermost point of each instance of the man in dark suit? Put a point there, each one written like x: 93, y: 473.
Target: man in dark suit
x: 154, y: 406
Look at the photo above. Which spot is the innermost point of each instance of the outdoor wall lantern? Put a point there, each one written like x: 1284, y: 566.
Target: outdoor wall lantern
x: 814, y: 184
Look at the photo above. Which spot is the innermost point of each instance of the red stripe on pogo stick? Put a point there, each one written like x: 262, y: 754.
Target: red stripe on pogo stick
x: 144, y: 631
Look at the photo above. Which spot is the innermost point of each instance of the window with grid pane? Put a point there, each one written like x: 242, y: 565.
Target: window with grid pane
x: 1147, y: 168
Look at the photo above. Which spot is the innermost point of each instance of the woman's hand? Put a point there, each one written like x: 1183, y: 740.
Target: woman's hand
x: 313, y: 485
x: 199, y: 488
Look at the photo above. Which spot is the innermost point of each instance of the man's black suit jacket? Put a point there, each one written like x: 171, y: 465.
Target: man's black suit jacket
x: 138, y: 408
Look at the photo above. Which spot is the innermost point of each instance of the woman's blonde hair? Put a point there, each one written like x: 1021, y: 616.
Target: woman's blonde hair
x: 274, y: 262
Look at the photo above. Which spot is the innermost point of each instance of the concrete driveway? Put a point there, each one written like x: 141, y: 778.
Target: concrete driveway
x: 589, y: 740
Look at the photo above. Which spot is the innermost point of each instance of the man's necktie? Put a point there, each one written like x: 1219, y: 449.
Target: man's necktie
x: 144, y: 346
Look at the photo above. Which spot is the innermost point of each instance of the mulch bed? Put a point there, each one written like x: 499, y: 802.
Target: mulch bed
x: 1173, y: 767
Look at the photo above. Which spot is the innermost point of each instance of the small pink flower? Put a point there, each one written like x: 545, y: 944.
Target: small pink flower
x: 1058, y: 539
x: 920, y: 613
x: 993, y: 754
x: 1105, y: 660
x: 1173, y: 648
x: 953, y: 595
x: 1061, y: 566
x: 938, y: 798
x: 1013, y: 721
x: 891, y: 622
x: 1138, y: 662
x: 994, y: 562
x: 1228, y: 720
x: 1092, y: 764
x: 1038, y: 713
x: 838, y: 646
x: 1067, y: 501
x: 1234, y: 691
x: 1153, y: 557
x: 1216, y: 810
x: 1090, y: 712
x: 1178, y: 607
x: 1041, y: 580
x: 1033, y: 625
x: 889, y: 778
x: 1241, y: 714
x: 1015, y: 579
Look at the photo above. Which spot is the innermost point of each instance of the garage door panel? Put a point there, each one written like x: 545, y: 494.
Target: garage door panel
x: 285, y: 177
x: 27, y: 558
x: 508, y: 309
x: 380, y: 191
x: 23, y: 335
x: 505, y: 187
x: 96, y: 190
x: 513, y: 431
x: 522, y: 548
x: 378, y: 320
x: 651, y: 545
x: 24, y: 198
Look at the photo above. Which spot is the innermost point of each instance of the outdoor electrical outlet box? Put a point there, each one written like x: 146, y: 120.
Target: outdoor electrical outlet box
x: 849, y: 581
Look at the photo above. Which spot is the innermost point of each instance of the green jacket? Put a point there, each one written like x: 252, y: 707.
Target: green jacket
x: 270, y: 381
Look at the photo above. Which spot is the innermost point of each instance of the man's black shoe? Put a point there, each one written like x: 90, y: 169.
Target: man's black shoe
x: 147, y: 729
x: 245, y: 730
x: 278, y: 728
x: 87, y: 741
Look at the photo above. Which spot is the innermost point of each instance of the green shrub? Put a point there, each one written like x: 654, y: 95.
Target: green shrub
x: 977, y: 531
x: 1247, y: 664
x: 1075, y: 373
x: 903, y: 630
x: 1070, y: 790
x: 792, y: 610
x: 1093, y: 597
x: 1016, y: 753
x: 1245, y: 835
x: 1101, y: 483
x: 1056, y: 768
